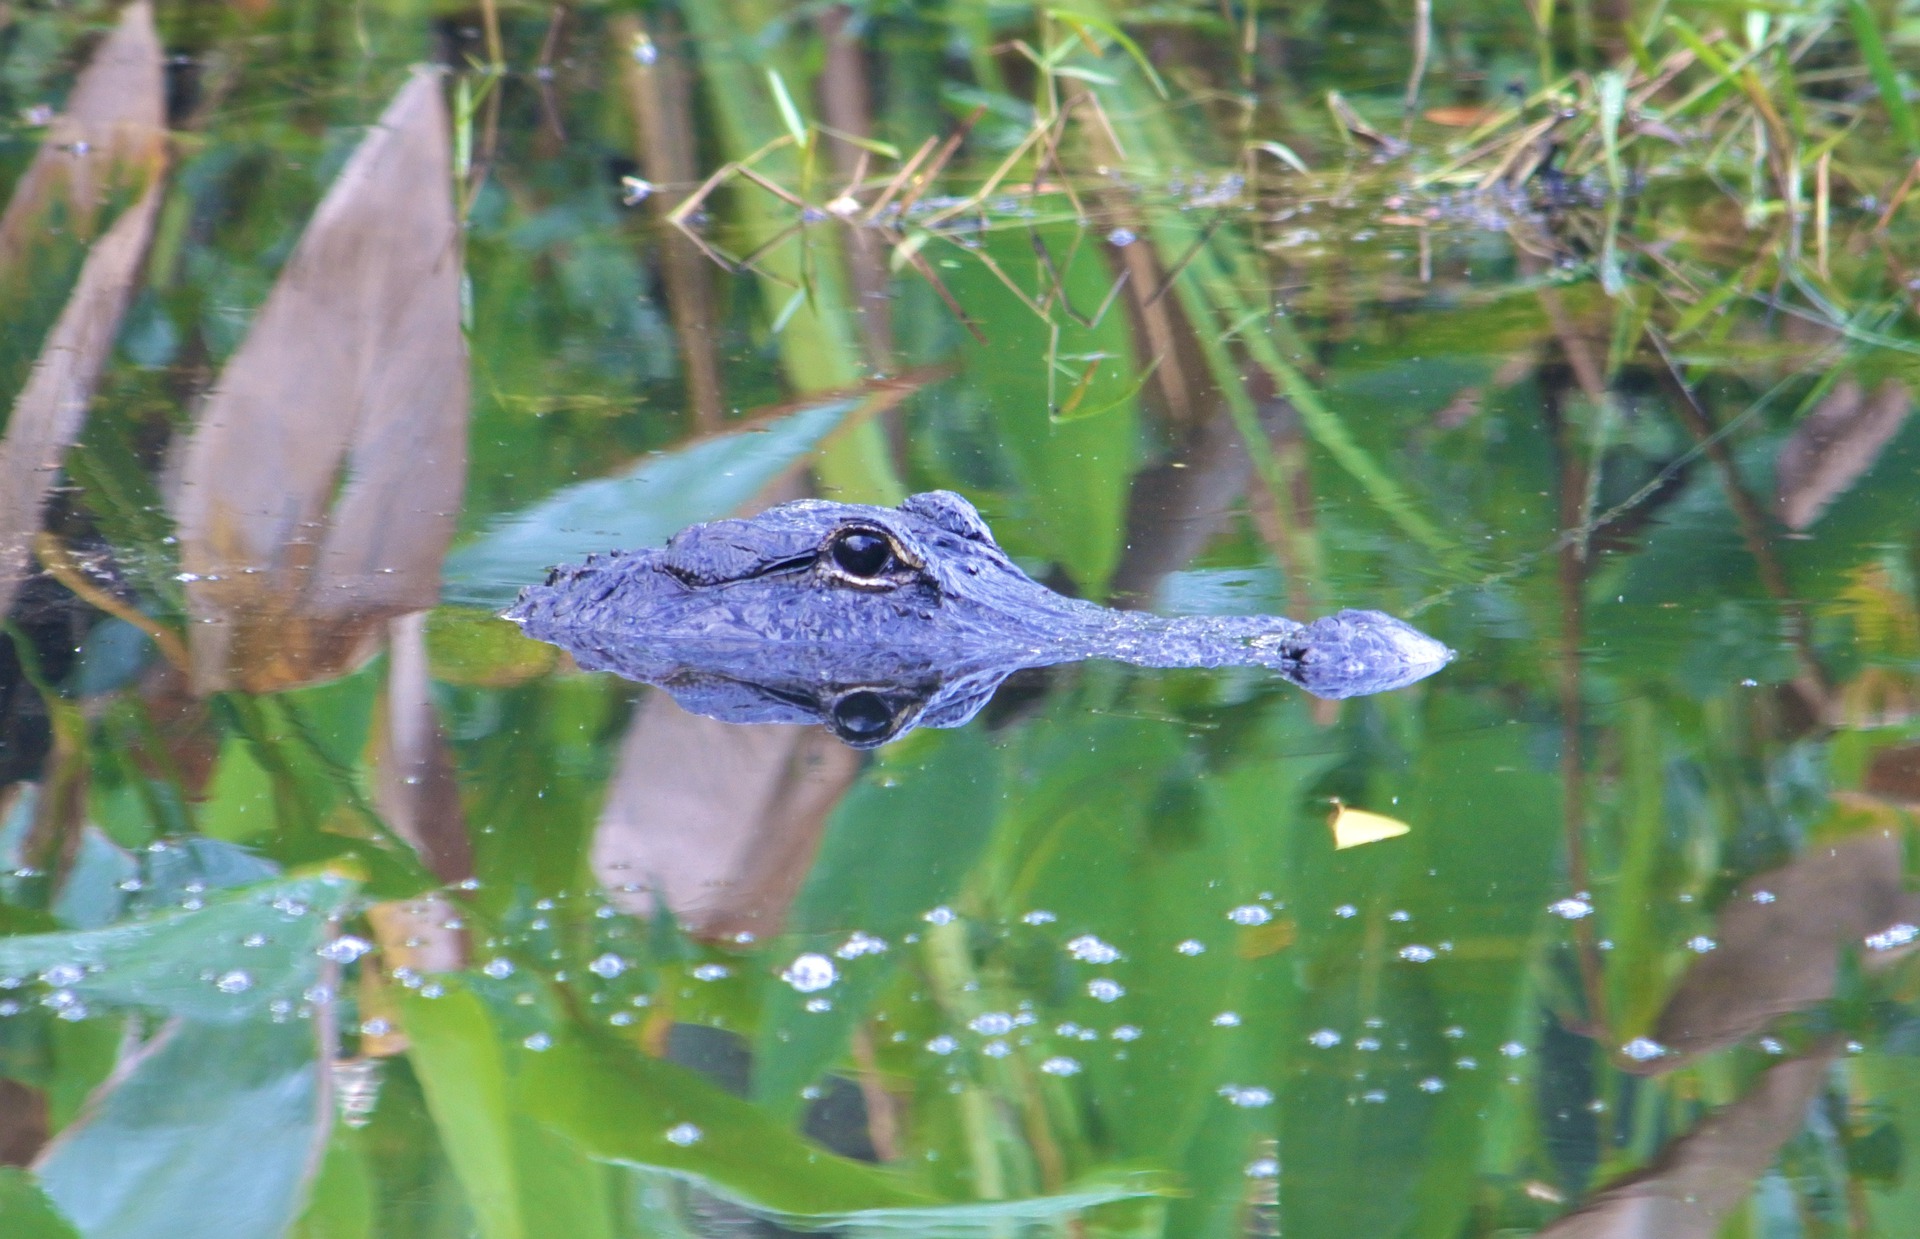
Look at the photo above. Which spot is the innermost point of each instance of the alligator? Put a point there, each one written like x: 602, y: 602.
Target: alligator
x: 877, y: 620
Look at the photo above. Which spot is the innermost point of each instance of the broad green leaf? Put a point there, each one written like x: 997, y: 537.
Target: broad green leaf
x: 455, y: 1052
x: 211, y: 1132
x: 623, y: 1107
x: 25, y: 1211
x: 1073, y: 475
x: 221, y: 962
x: 948, y: 785
x: 642, y: 507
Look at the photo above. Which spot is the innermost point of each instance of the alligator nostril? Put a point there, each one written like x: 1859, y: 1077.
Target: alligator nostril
x: 863, y: 715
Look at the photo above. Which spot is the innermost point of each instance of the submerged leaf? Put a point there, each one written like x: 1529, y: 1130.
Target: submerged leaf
x: 352, y: 381
x: 211, y: 1132
x: 225, y: 961
x: 623, y: 1107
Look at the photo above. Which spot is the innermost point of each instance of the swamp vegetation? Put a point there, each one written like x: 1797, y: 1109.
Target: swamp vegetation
x: 1580, y: 333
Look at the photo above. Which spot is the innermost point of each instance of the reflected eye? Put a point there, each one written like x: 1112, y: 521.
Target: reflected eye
x: 863, y: 715
x: 861, y: 553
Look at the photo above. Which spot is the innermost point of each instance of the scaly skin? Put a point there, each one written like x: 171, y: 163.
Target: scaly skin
x: 882, y: 619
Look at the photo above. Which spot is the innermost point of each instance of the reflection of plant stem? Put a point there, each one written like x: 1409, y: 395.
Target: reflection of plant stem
x: 54, y: 841
x: 59, y: 563
x: 1812, y: 683
x: 1573, y: 567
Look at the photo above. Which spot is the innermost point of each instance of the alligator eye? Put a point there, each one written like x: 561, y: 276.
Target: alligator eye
x: 861, y: 553
x: 862, y: 716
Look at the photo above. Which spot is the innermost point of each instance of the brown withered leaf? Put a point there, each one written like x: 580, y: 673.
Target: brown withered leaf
x: 112, y: 132
x: 1698, y: 1179
x: 1779, y: 939
x: 720, y: 820
x: 352, y: 379
x: 115, y: 124
x: 1834, y: 445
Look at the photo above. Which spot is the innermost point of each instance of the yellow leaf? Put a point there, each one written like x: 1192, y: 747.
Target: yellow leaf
x: 1353, y: 827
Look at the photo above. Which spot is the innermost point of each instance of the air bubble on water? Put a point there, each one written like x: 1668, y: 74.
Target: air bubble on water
x: 537, y: 1042
x: 712, y: 972
x: 1105, y: 990
x: 1126, y: 1032
x: 1120, y: 238
x: 12, y: 982
x: 1246, y: 1098
x: 1039, y: 916
x: 499, y: 967
x: 1466, y: 1064
x: 684, y: 1134
x: 1346, y: 911
x: 996, y: 1049
x: 62, y: 975
x: 858, y: 944
x: 810, y: 973
x: 1772, y: 1046
x: 1263, y: 1168
x: 1453, y: 1032
x: 235, y: 982
x: 1700, y: 944
x: 1067, y: 1029
x: 433, y: 989
x: 1324, y: 1039
x: 1763, y: 896
x: 1374, y: 1097
x: 1893, y: 936
x: 818, y: 1005
x: 1400, y: 914
x: 1416, y: 954
x: 60, y: 1000
x: 1227, y: 1019
x: 1367, y: 1045
x: 1192, y: 946
x: 537, y: 924
x: 1432, y: 1084
x: 255, y: 940
x: 992, y: 1024
x: 318, y: 995
x: 607, y: 966
x: 1249, y: 914
x: 942, y: 1044
x: 375, y: 1027
x: 9, y: 1007
x: 942, y: 915
x: 620, y: 1019
x: 1061, y: 1066
x: 344, y: 949
x: 1643, y: 1049
x: 1090, y: 950
x: 605, y: 912
x: 1571, y: 909
x: 1513, y: 1049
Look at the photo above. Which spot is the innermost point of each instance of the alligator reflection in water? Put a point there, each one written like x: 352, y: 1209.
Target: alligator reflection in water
x: 878, y: 620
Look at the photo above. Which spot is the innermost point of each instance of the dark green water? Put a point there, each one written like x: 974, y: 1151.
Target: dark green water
x: 334, y: 907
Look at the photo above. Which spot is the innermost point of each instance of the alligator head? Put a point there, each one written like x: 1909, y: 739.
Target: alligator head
x: 880, y: 619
